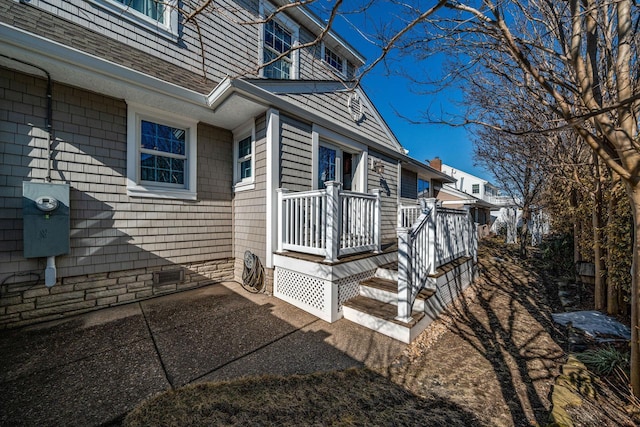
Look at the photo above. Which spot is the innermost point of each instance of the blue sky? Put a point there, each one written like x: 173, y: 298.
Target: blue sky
x: 394, y: 96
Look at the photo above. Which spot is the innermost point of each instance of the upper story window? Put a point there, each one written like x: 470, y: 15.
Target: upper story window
x: 277, y: 40
x: 154, y: 9
x: 335, y: 60
x: 475, y: 189
x: 161, y: 154
x: 158, y: 16
x: 279, y: 37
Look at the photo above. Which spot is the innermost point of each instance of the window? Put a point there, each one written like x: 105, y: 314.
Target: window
x: 244, y: 150
x: 279, y: 36
x: 154, y: 9
x: 327, y: 165
x: 158, y: 16
x: 475, y: 189
x: 277, y: 40
x: 333, y: 59
x: 423, y: 188
x: 160, y: 155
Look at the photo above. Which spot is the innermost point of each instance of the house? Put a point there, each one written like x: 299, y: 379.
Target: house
x: 470, y: 192
x: 146, y: 151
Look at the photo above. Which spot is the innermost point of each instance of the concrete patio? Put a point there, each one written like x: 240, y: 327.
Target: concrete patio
x: 92, y: 369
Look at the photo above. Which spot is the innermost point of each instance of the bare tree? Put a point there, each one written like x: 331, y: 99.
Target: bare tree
x: 579, y: 58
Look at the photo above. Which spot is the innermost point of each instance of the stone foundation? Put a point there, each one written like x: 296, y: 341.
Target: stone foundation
x: 27, y: 302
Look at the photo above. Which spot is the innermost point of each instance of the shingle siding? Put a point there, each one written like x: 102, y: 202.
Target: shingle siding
x: 230, y: 40
x: 110, y: 231
x: 249, y: 207
x: 388, y: 185
x: 295, y: 155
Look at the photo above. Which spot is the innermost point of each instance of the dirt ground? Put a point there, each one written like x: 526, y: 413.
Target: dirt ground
x: 496, y: 352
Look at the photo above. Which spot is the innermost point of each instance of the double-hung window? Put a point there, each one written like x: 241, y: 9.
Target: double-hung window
x: 475, y: 188
x: 244, y: 154
x: 161, y: 151
x: 334, y: 60
x: 279, y: 39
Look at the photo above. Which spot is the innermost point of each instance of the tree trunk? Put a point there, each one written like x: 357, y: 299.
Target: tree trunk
x: 613, y: 290
x: 600, y: 296
x: 634, y: 196
x: 524, y: 230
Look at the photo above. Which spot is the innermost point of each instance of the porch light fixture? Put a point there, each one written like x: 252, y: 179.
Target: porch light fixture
x: 378, y: 166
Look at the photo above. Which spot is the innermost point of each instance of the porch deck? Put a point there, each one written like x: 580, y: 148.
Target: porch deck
x: 388, y: 246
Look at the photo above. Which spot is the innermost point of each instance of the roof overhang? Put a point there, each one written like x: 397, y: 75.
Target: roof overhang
x: 231, y: 95
x: 76, y: 68
x: 418, y: 167
x: 465, y: 199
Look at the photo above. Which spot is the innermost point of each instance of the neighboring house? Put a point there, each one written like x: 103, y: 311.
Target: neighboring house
x: 469, y: 192
x: 143, y: 155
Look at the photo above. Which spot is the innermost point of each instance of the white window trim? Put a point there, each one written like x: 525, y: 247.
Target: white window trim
x: 342, y: 73
x: 136, y: 113
x: 168, y: 29
x: 239, y: 134
x: 265, y: 9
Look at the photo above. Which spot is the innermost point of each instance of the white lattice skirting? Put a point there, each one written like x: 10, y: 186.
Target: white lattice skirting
x: 320, y: 297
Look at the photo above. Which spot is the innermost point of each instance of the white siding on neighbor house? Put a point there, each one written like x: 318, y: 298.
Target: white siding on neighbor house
x: 111, y: 233
x: 388, y: 185
x: 295, y: 155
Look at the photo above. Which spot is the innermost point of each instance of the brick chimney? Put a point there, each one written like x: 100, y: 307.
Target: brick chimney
x: 436, y: 163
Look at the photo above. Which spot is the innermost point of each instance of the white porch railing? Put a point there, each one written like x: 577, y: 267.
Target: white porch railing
x: 328, y: 222
x: 437, y: 237
x: 408, y: 215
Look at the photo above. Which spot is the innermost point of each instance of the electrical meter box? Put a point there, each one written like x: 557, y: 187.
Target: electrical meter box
x: 45, y: 209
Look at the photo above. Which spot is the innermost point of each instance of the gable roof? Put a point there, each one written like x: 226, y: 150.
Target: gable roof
x: 466, y: 198
x: 322, y: 102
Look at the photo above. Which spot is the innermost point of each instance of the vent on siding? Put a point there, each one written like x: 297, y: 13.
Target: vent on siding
x: 168, y: 276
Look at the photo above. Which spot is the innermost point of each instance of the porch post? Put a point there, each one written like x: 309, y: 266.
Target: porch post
x: 431, y: 205
x: 468, y: 229
x: 332, y: 221
x: 281, y: 218
x: 404, y: 274
x: 377, y: 224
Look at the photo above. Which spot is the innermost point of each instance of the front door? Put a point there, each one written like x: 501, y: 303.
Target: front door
x: 334, y: 165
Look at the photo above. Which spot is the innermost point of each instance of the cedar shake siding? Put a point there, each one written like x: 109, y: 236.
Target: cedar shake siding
x: 249, y: 208
x: 228, y: 48
x: 388, y: 185
x: 295, y: 155
x: 117, y: 241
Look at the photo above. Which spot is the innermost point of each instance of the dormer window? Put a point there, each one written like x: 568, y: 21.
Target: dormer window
x: 335, y: 60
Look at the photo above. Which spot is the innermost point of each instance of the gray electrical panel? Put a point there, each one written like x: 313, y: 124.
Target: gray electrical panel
x: 45, y: 208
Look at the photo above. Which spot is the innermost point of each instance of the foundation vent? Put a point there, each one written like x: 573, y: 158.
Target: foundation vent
x: 168, y: 276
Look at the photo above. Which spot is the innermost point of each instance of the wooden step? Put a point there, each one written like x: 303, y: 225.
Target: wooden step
x: 381, y: 310
x: 391, y: 286
x: 381, y: 317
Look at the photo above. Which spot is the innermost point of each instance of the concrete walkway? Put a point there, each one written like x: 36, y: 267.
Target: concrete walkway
x: 92, y: 369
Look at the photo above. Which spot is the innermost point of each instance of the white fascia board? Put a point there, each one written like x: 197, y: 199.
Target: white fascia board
x: 239, y: 87
x: 74, y: 67
x: 334, y: 37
